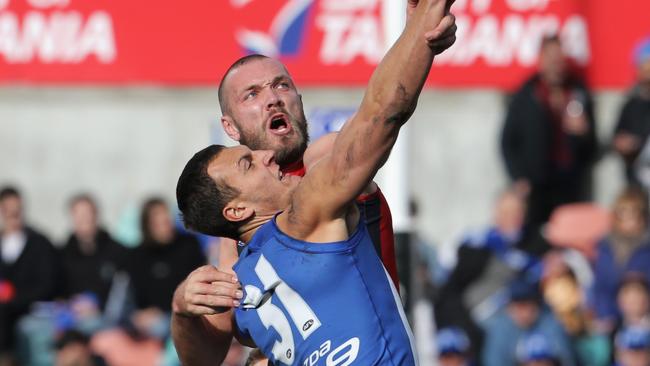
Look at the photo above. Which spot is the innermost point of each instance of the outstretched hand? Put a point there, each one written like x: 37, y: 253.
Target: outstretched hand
x: 443, y: 36
x: 206, y: 291
x: 412, y: 4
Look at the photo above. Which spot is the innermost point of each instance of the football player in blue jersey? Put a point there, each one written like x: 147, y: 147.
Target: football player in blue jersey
x: 314, y: 290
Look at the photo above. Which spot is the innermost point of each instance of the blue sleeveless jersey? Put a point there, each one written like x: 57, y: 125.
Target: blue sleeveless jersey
x: 328, y: 304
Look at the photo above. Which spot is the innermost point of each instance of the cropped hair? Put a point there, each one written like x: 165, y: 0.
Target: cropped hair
x: 83, y: 197
x: 201, y: 199
x: 145, y: 217
x: 9, y: 191
x: 241, y: 61
x: 636, y: 197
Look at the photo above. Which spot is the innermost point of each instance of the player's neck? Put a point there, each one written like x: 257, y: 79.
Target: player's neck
x: 295, y: 168
x: 250, y: 228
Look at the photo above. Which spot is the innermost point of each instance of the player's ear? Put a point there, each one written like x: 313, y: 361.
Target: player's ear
x: 237, y: 211
x: 230, y: 128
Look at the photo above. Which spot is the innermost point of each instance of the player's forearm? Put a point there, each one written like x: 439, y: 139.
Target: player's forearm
x: 395, y: 85
x: 197, y: 342
x: 365, y: 141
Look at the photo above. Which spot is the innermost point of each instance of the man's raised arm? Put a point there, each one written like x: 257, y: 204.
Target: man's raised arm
x: 364, y: 143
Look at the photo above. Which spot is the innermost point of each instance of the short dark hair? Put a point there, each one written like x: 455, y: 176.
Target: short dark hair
x: 82, y: 197
x: 241, y: 61
x: 71, y: 336
x: 201, y: 200
x: 145, y: 214
x: 255, y: 355
x: 634, y: 279
x: 9, y: 191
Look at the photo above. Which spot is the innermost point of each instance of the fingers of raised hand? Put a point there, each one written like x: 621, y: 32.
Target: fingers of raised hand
x: 217, y: 303
x: 440, y: 45
x: 446, y: 27
x: 221, y: 294
x: 211, y: 274
x: 215, y: 289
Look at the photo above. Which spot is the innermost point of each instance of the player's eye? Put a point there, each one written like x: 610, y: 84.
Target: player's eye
x: 245, y: 164
x: 251, y: 94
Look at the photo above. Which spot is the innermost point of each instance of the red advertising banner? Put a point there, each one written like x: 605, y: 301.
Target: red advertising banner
x: 323, y: 42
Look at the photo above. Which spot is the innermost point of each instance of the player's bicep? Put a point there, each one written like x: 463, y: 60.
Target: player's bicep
x: 331, y: 185
x: 318, y: 150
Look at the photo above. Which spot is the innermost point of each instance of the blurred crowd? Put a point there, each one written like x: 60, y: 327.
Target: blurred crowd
x: 90, y: 300
x: 554, y: 280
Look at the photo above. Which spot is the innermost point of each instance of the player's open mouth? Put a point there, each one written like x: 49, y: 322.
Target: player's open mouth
x: 279, y: 125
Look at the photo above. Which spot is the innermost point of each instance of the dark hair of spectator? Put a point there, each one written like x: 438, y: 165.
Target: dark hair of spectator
x: 201, y: 200
x: 82, y: 197
x: 241, y: 61
x: 9, y: 191
x: 254, y: 356
x: 636, y: 196
x: 71, y: 336
x: 635, y: 279
x: 145, y: 216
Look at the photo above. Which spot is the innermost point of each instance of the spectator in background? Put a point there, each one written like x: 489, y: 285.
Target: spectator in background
x: 626, y: 249
x: 548, y: 140
x: 453, y: 347
x: 73, y: 350
x: 633, y: 128
x: 566, y: 297
x: 563, y: 294
x: 162, y: 261
x: 524, y: 315
x: 256, y: 358
x: 487, y: 262
x: 633, y: 347
x: 90, y: 258
x: 28, y: 269
x: 634, y: 302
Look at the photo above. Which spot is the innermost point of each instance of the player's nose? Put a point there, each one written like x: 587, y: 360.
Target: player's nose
x: 268, y: 157
x: 273, y: 99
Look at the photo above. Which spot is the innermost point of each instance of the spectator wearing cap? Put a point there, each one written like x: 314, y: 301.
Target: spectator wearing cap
x: 565, y: 294
x: 453, y: 347
x: 488, y: 260
x: 535, y: 350
x: 633, y: 128
x: 524, y: 314
x: 633, y: 347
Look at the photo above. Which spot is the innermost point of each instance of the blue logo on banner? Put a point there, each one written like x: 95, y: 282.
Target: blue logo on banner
x: 325, y: 120
x: 285, y: 34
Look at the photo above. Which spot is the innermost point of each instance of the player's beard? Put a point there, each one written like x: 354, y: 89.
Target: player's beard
x: 290, y: 148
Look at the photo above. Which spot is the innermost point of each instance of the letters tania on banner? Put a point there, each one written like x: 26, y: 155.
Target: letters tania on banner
x: 323, y: 42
